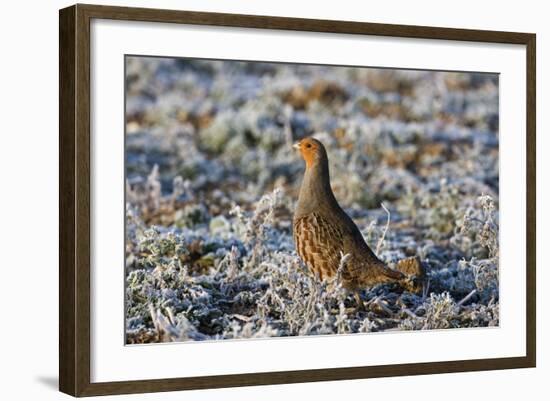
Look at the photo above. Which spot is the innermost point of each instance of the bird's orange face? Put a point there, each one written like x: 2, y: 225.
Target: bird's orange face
x: 309, y: 149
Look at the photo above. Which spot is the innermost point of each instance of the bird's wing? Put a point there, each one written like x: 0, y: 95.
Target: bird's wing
x: 319, y: 244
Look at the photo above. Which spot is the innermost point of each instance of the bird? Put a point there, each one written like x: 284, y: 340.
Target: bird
x: 326, y: 239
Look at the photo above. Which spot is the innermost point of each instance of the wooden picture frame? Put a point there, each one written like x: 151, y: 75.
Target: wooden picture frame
x: 75, y: 207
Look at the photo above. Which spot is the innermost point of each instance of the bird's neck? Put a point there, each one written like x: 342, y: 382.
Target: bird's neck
x: 315, y: 192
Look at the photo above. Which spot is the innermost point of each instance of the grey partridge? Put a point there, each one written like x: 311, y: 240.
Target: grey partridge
x: 325, y: 237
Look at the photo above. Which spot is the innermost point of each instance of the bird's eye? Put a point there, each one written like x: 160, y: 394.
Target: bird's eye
x: 308, y: 145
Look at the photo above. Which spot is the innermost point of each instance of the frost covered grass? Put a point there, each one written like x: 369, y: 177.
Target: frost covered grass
x: 212, y: 182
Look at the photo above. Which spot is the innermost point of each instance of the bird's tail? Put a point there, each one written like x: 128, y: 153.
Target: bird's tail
x: 392, y: 274
x: 408, y: 273
x: 411, y: 266
x: 414, y: 274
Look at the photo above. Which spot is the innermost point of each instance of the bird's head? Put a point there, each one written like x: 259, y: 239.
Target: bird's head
x: 312, y: 151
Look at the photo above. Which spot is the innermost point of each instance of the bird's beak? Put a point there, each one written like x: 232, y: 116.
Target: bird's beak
x: 296, y: 146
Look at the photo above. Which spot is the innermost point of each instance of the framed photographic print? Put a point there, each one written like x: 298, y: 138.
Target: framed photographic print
x: 250, y: 200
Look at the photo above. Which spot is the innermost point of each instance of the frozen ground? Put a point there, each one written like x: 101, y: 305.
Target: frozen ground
x: 212, y: 182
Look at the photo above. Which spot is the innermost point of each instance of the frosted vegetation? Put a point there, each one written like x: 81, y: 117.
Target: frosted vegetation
x: 212, y: 181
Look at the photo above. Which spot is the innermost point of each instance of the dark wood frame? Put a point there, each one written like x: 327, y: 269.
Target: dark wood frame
x: 74, y: 199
